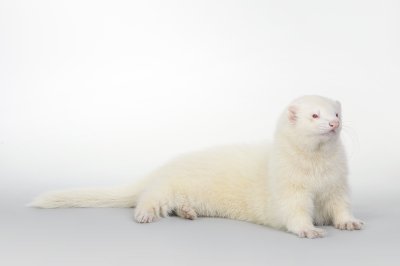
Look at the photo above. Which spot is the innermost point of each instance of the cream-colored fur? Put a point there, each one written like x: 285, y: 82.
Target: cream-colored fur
x: 294, y: 183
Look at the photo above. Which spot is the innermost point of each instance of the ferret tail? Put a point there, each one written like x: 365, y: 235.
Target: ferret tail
x: 124, y: 196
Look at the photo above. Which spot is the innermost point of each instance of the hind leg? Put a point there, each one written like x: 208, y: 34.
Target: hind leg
x: 186, y: 212
x: 152, y: 205
x: 150, y: 212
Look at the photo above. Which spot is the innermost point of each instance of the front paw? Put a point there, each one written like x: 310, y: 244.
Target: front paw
x: 312, y: 232
x: 351, y: 224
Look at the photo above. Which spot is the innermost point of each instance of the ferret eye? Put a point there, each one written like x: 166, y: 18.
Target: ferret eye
x: 337, y: 115
x: 315, y: 116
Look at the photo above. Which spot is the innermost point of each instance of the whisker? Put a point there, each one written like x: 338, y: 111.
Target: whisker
x: 352, y: 136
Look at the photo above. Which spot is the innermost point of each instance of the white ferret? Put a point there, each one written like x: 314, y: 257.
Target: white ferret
x: 295, y: 183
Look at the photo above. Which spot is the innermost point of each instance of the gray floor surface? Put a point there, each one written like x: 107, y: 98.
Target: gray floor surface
x: 110, y: 237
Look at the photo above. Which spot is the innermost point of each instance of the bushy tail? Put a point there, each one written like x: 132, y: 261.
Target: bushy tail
x: 90, y: 197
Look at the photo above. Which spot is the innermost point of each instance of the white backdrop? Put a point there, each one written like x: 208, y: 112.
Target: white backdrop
x: 101, y: 92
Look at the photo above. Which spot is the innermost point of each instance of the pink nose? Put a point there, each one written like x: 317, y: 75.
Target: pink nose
x: 334, y: 124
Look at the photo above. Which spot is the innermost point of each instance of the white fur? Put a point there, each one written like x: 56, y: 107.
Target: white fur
x: 294, y: 183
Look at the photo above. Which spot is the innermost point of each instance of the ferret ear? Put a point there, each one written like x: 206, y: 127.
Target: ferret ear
x: 292, y: 113
x: 339, y: 105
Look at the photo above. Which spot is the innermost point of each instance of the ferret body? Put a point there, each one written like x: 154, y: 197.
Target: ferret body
x: 294, y: 183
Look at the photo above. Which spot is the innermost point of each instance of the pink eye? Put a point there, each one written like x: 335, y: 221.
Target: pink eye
x: 337, y: 115
x: 315, y: 116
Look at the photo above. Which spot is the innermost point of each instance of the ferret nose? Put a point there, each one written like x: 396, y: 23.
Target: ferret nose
x: 334, y: 124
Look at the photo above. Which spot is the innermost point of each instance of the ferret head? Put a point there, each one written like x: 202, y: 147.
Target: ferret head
x: 316, y: 119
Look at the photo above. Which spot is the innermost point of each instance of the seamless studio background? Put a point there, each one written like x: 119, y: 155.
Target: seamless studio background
x: 99, y: 93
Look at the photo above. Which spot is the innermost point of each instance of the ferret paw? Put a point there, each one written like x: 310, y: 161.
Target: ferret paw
x: 313, y: 232
x: 351, y: 224
x: 145, y: 215
x: 186, y: 213
x: 151, y: 211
